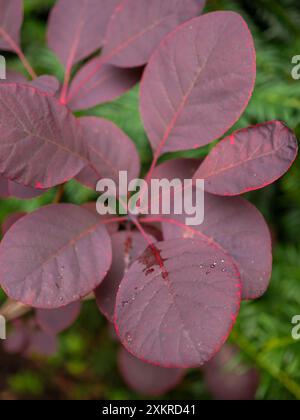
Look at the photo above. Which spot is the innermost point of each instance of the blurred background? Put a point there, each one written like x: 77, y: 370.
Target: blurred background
x: 264, y: 359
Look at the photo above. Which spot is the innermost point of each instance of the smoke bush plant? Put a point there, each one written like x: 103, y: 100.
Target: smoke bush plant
x: 172, y: 291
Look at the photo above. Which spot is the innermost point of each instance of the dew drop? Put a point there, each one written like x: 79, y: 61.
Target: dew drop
x: 128, y: 338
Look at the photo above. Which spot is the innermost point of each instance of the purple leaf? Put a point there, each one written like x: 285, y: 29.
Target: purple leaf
x: 14, y: 77
x: 127, y: 246
x: 106, y: 84
x: 36, y: 128
x: 198, y: 82
x: 110, y: 151
x: 42, y: 344
x: 182, y: 169
x: 177, y: 168
x: 137, y: 27
x: 235, y: 226
x: 112, y: 227
x: 228, y: 379
x: 147, y: 379
x: 18, y: 339
x: 11, y: 18
x: 11, y: 220
x: 12, y: 189
x: 54, y: 256
x: 249, y: 159
x: 177, y: 303
x: 77, y: 28
x: 47, y: 84
x: 4, y: 192
x: 54, y: 321
x: 23, y: 193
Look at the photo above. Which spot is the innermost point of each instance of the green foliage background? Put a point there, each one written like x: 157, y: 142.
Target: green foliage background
x: 85, y: 367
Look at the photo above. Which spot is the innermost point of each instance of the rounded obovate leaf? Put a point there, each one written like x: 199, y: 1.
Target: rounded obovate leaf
x: 76, y: 28
x: 227, y: 378
x: 11, y: 220
x: 42, y: 344
x: 97, y: 83
x: 126, y: 246
x: 11, y: 19
x: 54, y: 256
x: 54, y: 321
x: 177, y: 303
x: 198, y: 82
x: 235, y: 226
x: 137, y: 27
x: 147, y: 379
x: 36, y: 128
x: 249, y: 159
x: 13, y: 189
x: 112, y: 227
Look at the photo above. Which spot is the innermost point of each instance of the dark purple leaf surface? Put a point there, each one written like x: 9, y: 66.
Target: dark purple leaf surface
x: 137, y: 27
x: 54, y: 321
x: 105, y: 84
x: 110, y: 151
x: 4, y: 192
x: 249, y: 159
x: 26, y: 144
x: 14, y: 77
x: 147, y: 379
x: 11, y: 18
x: 198, y: 82
x: 54, y: 256
x: 127, y: 246
x: 18, y: 339
x: 237, y: 227
x: 77, y: 28
x: 229, y: 379
x: 182, y: 169
x: 177, y: 303
x: 176, y: 168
